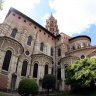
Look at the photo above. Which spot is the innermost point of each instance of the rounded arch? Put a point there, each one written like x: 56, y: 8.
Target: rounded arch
x: 29, y: 41
x: 42, y: 46
x: 35, y: 70
x: 58, y: 73
x: 47, y: 63
x: 36, y: 62
x: 46, y: 69
x: 7, y: 59
x: 24, y: 68
x: 25, y: 59
x: 11, y: 49
x: 14, y: 32
x: 65, y: 66
x: 59, y: 62
x: 59, y: 52
x: 51, y: 51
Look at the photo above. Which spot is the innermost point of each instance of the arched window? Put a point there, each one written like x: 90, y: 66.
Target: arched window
x: 84, y: 44
x: 58, y: 73
x: 7, y: 60
x: 24, y: 68
x: 29, y: 40
x: 59, y: 52
x: 46, y: 69
x: 51, y: 51
x: 73, y: 47
x: 13, y: 34
x: 66, y: 72
x: 52, y: 70
x: 41, y: 46
x: 35, y: 70
x: 78, y: 46
x: 59, y: 62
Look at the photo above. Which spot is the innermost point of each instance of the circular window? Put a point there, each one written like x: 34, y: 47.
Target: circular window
x: 82, y: 56
x: 27, y: 52
x: 59, y: 63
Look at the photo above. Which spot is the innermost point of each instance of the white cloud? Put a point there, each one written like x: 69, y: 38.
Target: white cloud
x: 74, y: 16
x: 44, y: 18
x: 21, y: 5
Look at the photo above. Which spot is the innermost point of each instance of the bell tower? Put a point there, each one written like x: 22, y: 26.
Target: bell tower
x: 51, y: 25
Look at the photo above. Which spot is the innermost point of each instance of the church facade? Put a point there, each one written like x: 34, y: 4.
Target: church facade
x: 29, y: 50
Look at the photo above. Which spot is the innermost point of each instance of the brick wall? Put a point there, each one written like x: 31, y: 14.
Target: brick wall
x: 3, y: 81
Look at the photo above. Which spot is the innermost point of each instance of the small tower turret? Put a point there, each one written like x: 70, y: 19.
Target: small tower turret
x: 51, y: 25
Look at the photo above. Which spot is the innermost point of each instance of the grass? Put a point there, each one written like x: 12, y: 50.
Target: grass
x: 93, y: 94
x: 1, y: 94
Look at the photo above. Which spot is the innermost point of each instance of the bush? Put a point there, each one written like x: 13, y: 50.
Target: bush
x: 27, y: 86
x: 48, y: 82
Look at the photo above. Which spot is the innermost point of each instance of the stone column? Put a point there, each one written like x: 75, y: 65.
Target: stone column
x: 49, y: 70
x: 2, y: 55
x: 39, y: 78
x: 19, y: 69
x: 62, y: 78
x: 31, y: 74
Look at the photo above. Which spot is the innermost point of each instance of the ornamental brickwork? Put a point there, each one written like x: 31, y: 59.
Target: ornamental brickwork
x: 29, y: 50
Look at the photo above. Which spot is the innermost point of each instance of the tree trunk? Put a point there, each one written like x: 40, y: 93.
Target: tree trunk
x: 92, y: 86
x: 47, y: 92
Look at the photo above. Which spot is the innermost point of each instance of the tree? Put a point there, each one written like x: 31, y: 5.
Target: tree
x: 48, y: 82
x: 82, y: 73
x: 27, y: 86
x: 1, y: 3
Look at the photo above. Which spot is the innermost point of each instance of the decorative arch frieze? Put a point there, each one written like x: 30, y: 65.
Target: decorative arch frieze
x: 91, y: 54
x: 36, y: 62
x: 12, y: 44
x: 68, y: 60
x: 11, y: 49
x: 42, y: 59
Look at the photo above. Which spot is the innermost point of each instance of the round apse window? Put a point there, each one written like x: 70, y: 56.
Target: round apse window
x: 27, y: 52
x: 82, y: 56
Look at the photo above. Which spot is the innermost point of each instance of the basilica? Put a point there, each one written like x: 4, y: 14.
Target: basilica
x: 27, y: 49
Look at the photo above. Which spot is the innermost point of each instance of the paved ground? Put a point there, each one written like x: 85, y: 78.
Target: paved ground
x: 16, y: 94
x: 11, y: 94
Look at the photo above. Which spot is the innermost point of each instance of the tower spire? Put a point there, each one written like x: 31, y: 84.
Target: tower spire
x: 51, y: 13
x: 51, y: 25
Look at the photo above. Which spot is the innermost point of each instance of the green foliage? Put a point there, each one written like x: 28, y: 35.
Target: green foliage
x: 82, y: 72
x: 1, y: 4
x: 27, y: 86
x: 1, y: 94
x: 48, y: 82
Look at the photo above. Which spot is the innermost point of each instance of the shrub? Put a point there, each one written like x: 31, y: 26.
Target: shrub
x: 48, y: 82
x: 27, y: 86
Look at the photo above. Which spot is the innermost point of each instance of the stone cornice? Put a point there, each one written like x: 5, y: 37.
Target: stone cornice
x: 92, y: 54
x: 80, y: 36
x: 69, y: 57
x: 41, y: 55
x: 80, y: 49
x: 13, y: 40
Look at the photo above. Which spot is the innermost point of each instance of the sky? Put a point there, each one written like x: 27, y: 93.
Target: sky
x: 74, y: 17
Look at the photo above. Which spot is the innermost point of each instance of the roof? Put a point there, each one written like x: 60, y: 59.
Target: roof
x: 31, y: 20
x: 80, y: 36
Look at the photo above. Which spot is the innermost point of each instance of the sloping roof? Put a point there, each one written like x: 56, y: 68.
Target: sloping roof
x: 80, y: 36
x: 31, y: 20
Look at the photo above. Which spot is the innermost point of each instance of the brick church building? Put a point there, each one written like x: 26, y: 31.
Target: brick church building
x: 27, y: 49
